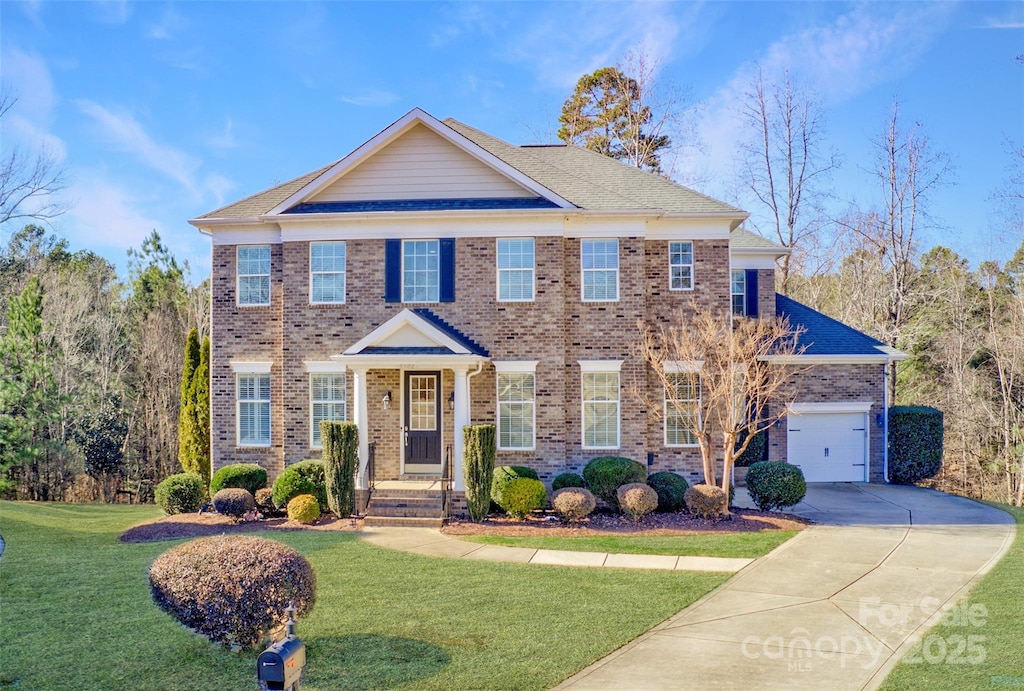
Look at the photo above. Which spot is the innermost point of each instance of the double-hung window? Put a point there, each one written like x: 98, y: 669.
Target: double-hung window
x: 682, y: 399
x: 600, y: 388
x: 253, y: 271
x: 515, y: 269
x: 326, y: 401
x: 327, y: 272
x: 517, y: 404
x: 421, y: 271
x: 739, y: 292
x: 680, y: 265
x: 600, y: 261
x: 253, y: 392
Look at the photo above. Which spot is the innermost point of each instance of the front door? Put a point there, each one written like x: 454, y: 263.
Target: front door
x: 422, y: 422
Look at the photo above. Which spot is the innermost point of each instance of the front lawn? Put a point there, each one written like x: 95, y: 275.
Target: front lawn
x: 748, y: 545
x: 75, y: 612
x: 955, y: 655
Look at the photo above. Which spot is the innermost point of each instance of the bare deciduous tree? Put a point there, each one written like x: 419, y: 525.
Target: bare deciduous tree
x: 29, y: 185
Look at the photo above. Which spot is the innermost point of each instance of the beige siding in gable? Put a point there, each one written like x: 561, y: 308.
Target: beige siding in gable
x: 420, y: 165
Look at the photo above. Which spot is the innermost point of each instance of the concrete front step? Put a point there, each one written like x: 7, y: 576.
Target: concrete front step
x: 404, y: 511
x: 372, y: 521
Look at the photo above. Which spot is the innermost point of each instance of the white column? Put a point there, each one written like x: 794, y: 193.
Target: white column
x: 461, y: 420
x: 360, y: 417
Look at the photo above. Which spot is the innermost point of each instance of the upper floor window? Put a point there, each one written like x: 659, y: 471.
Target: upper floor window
x: 739, y: 292
x: 600, y: 261
x: 515, y: 269
x: 421, y: 271
x: 327, y: 272
x: 327, y: 402
x: 253, y: 270
x: 682, y: 398
x: 253, y: 392
x: 680, y: 265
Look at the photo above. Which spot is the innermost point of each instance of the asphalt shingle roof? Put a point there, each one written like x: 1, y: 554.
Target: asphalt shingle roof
x: 822, y: 334
x: 453, y: 333
x: 743, y: 238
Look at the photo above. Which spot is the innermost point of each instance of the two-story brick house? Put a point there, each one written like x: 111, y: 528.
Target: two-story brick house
x: 438, y: 277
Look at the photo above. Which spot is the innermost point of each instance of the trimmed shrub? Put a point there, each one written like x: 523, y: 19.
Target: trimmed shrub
x: 573, y: 503
x: 706, y: 501
x: 304, y: 508
x: 478, y: 452
x: 755, y: 452
x: 304, y: 477
x: 233, y: 501
x: 670, y: 488
x: 265, y: 502
x: 775, y: 484
x: 524, y: 495
x: 637, y: 499
x: 232, y: 589
x: 341, y: 458
x: 915, y: 443
x: 505, y: 474
x: 247, y: 476
x: 568, y: 480
x: 181, y: 493
x: 605, y: 474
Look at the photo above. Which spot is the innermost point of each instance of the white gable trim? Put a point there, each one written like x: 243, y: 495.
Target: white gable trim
x: 407, y: 318
x: 395, y: 130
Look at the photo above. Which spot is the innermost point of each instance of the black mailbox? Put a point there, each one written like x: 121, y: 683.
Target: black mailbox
x: 280, y: 665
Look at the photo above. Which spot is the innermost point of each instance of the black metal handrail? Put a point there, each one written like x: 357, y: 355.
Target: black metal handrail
x: 446, y: 483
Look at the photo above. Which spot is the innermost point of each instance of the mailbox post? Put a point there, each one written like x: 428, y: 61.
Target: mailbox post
x: 279, y: 667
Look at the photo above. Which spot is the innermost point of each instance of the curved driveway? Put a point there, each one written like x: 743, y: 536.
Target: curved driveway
x: 835, y: 607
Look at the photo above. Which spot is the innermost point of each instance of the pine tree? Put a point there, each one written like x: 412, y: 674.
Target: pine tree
x: 200, y: 400
x: 186, y: 408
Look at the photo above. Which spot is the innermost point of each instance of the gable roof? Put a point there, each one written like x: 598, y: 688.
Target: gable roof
x: 562, y: 175
x: 824, y: 336
x: 743, y: 239
x: 415, y: 332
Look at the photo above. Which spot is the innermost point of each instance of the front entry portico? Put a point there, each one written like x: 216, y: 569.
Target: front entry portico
x: 422, y: 348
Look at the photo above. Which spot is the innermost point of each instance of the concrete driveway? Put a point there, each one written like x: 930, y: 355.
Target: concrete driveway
x: 835, y: 607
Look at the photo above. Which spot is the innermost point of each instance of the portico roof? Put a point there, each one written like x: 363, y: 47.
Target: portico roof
x: 415, y: 337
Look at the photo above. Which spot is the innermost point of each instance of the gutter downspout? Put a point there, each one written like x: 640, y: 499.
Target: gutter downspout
x: 469, y: 388
x: 885, y: 420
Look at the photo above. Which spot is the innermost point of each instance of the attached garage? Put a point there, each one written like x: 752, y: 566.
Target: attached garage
x: 829, y: 441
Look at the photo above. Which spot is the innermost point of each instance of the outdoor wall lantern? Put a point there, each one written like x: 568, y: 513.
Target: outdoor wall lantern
x: 778, y: 423
x: 451, y: 401
x: 385, y: 402
x: 879, y: 420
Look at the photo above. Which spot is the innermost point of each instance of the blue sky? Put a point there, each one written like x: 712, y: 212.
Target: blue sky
x: 164, y: 111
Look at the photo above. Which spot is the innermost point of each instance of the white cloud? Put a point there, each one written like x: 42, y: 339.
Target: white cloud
x: 124, y: 132
x: 112, y: 11
x: 371, y: 99
x: 27, y: 123
x: 218, y: 185
x: 105, y: 215
x: 170, y: 25
x: 224, y: 139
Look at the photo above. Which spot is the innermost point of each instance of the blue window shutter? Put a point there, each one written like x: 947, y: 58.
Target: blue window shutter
x: 392, y: 271
x: 751, y: 292
x: 447, y: 269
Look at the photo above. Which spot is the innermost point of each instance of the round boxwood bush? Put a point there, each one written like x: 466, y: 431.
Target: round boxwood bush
x: 265, y: 502
x: 567, y: 480
x: 706, y: 501
x: 181, y: 493
x: 247, y: 476
x: 232, y: 589
x: 304, y: 477
x: 523, y: 495
x: 233, y: 501
x: 637, y: 499
x: 670, y: 488
x: 915, y: 443
x: 505, y: 474
x: 304, y: 508
x: 573, y: 503
x: 605, y: 474
x: 775, y: 484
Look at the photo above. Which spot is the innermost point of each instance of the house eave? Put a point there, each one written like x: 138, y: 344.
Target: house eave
x: 880, y: 359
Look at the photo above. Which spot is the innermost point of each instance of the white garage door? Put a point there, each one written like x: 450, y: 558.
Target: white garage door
x: 829, y: 447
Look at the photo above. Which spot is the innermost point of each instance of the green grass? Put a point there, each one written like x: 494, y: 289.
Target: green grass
x: 748, y: 545
x: 75, y: 612
x: 1002, y: 644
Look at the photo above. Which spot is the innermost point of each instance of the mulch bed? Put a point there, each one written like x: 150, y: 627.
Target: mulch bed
x: 608, y: 523
x: 204, y: 524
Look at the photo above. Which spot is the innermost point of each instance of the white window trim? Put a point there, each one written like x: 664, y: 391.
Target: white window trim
x: 600, y: 366
x: 238, y: 411
x: 270, y: 282
x: 515, y: 365
x: 251, y: 366
x: 498, y: 270
x: 439, y: 270
x: 508, y: 370
x: 618, y: 271
x: 344, y: 271
x: 693, y: 280
x: 665, y: 412
x: 319, y: 371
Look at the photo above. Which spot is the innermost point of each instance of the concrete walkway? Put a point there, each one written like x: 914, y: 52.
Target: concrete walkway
x: 433, y: 543
x: 833, y: 608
